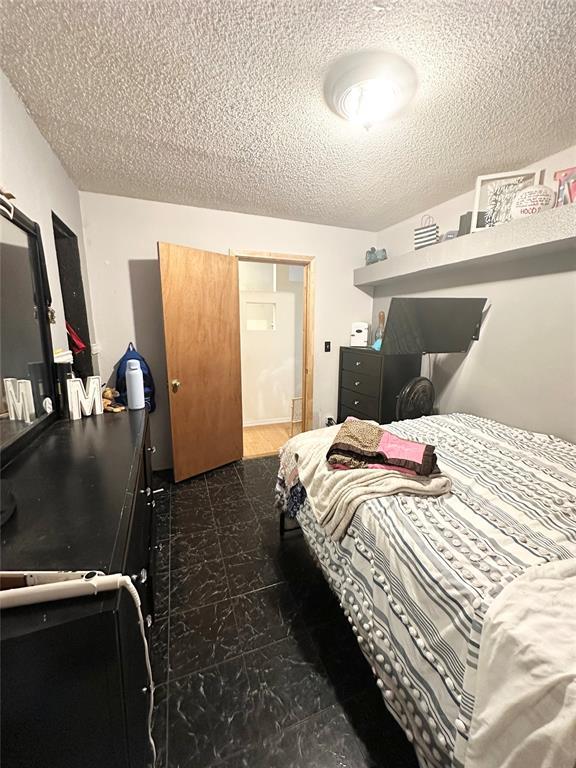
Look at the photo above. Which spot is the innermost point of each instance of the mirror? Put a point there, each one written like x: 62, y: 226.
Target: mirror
x: 26, y: 385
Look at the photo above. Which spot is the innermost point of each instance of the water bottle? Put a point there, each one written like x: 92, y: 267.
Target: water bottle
x: 134, y: 385
x: 381, y: 326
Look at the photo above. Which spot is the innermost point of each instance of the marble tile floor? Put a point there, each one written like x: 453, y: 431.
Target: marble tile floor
x: 254, y: 663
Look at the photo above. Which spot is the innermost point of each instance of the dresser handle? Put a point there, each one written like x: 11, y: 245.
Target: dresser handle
x: 140, y: 578
x: 151, y: 449
x: 356, y: 383
x: 357, y: 363
x: 356, y: 402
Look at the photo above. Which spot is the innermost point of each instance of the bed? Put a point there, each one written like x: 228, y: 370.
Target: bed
x: 422, y: 580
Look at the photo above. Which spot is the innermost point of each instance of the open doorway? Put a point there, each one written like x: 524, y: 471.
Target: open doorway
x: 275, y: 326
x: 200, y: 305
x: 72, y: 287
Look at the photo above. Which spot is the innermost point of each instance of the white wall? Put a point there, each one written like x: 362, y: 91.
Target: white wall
x: 121, y: 236
x: 32, y: 172
x: 522, y: 371
x: 291, y: 279
x: 268, y: 360
x: 256, y: 276
x: 272, y: 356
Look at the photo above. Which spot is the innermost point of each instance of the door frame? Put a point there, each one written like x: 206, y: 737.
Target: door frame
x: 308, y: 320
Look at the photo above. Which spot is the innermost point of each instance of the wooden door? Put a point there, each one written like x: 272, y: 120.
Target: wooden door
x: 201, y: 330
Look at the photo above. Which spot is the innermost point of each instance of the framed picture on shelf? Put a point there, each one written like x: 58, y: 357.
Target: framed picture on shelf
x: 566, y: 186
x: 494, y: 196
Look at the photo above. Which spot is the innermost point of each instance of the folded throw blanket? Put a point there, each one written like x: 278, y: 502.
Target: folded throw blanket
x: 363, y: 444
x: 335, y: 496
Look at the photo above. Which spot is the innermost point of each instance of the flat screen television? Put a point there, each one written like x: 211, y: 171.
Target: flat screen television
x: 420, y: 326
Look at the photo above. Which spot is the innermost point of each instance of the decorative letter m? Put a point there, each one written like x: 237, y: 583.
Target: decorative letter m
x: 19, y: 400
x: 84, y: 401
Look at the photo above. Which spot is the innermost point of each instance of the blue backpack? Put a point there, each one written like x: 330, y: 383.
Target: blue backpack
x: 149, y: 389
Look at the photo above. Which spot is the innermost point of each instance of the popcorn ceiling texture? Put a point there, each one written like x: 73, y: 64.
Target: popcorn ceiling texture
x: 219, y: 103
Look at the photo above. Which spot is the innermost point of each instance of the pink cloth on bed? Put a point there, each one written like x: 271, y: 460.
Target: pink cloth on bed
x: 394, y: 447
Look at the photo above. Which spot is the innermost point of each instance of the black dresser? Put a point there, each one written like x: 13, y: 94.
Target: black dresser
x: 75, y: 689
x: 369, y: 382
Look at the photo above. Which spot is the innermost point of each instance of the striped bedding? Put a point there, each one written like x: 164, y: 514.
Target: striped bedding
x: 415, y: 575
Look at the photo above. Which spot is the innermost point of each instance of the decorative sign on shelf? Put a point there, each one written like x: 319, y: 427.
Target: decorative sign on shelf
x: 532, y: 200
x: 495, y: 196
x: 84, y: 401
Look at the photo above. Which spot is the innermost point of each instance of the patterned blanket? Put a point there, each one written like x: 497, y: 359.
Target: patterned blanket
x: 335, y: 496
x: 417, y: 575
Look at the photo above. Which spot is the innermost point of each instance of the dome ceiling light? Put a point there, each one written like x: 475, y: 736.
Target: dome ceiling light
x: 370, y: 87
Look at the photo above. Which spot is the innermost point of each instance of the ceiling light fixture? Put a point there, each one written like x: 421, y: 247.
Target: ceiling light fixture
x: 370, y: 87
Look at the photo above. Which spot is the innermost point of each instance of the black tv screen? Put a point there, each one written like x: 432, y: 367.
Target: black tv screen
x: 420, y: 326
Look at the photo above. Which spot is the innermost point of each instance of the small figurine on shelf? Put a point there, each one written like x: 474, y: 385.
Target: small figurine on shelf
x: 108, y: 401
x: 374, y: 255
x: 379, y: 333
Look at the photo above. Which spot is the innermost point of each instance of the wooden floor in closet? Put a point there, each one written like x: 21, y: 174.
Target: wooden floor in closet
x: 266, y: 439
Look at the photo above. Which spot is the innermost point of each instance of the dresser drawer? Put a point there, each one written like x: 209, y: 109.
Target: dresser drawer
x: 360, y: 383
x: 363, y: 362
x: 344, y: 412
x: 363, y: 404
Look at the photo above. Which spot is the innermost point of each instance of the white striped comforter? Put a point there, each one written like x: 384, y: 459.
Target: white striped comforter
x: 416, y: 575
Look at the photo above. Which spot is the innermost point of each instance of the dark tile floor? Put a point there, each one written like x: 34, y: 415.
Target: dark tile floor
x: 255, y: 664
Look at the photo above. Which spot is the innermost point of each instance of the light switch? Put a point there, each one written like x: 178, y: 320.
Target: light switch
x: 327, y: 345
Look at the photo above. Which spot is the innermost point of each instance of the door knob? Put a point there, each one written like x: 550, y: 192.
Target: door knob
x: 175, y: 385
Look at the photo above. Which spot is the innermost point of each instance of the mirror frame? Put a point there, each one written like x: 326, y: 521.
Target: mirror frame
x: 44, y: 301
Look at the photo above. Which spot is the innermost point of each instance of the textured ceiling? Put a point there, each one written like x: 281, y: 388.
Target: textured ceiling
x: 219, y: 103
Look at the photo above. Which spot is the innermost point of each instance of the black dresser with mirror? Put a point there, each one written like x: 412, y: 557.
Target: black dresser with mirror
x: 76, y: 496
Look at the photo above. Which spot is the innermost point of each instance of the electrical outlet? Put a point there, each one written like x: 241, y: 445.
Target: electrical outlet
x: 327, y: 346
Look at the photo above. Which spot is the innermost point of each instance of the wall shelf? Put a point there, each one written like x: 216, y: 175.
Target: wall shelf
x: 541, y: 235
